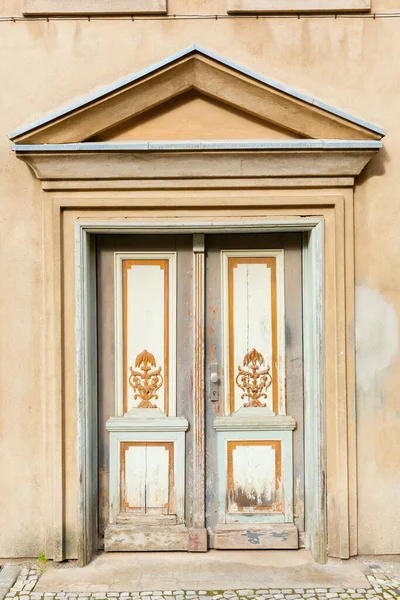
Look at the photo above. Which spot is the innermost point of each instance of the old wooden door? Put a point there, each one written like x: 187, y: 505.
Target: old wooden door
x: 254, y: 391
x: 151, y: 471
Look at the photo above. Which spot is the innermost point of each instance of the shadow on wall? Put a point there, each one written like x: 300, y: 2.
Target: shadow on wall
x: 375, y: 167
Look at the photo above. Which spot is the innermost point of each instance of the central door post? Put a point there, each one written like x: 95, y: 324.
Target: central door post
x: 198, y: 532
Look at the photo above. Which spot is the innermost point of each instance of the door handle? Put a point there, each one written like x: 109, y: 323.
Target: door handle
x: 214, y: 379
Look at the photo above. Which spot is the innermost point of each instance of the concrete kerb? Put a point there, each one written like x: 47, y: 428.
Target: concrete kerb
x: 8, y: 576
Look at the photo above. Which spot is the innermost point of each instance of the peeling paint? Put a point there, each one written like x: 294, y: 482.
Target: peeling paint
x: 252, y: 537
x: 299, y: 502
x: 280, y: 534
x: 211, y: 334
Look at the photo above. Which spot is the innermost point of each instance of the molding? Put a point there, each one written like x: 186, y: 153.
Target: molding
x: 119, y: 257
x: 244, y: 183
x: 209, y: 73
x: 278, y: 254
x: 126, y: 424
x: 285, y: 437
x: 315, y: 394
x: 93, y: 7
x: 297, y: 6
x: 197, y: 164
x: 202, y: 145
x: 256, y: 423
x: 158, y: 435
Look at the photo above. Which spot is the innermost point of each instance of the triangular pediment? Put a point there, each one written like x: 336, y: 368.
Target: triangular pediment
x: 194, y: 116
x: 195, y: 95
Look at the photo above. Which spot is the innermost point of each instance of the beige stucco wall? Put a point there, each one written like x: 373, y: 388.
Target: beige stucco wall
x: 348, y: 63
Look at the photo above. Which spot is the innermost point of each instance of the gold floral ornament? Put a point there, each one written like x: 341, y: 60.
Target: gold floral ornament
x: 253, y: 380
x: 145, y: 381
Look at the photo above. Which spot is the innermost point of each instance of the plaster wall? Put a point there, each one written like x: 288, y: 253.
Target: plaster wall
x: 348, y: 63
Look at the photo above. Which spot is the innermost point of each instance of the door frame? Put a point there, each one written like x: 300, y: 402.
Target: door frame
x: 313, y: 261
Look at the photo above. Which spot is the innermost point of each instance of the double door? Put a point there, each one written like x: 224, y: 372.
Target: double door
x: 200, y: 392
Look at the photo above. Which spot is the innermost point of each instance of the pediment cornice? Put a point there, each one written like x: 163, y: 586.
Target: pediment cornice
x: 326, y: 142
x: 201, y: 70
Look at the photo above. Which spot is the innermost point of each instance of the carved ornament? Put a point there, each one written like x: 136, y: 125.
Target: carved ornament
x: 146, y: 380
x: 253, y: 379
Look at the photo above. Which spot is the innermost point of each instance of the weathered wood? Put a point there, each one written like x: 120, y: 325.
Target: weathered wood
x: 198, y: 382
x: 197, y: 541
x: 256, y: 537
x: 294, y: 367
x: 136, y: 538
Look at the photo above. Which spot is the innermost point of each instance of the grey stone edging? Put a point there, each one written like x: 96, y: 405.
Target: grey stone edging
x: 8, y: 576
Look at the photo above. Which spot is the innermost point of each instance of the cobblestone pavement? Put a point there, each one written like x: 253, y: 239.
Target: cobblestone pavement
x: 382, y: 586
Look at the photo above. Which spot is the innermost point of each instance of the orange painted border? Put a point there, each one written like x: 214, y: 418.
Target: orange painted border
x: 164, y: 265
x: 277, y: 445
x: 270, y: 262
x: 124, y: 447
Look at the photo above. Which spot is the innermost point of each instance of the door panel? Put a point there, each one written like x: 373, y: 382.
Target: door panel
x: 255, y: 346
x: 145, y: 391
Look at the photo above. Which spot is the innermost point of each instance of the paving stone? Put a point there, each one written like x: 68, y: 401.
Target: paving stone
x: 28, y: 587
